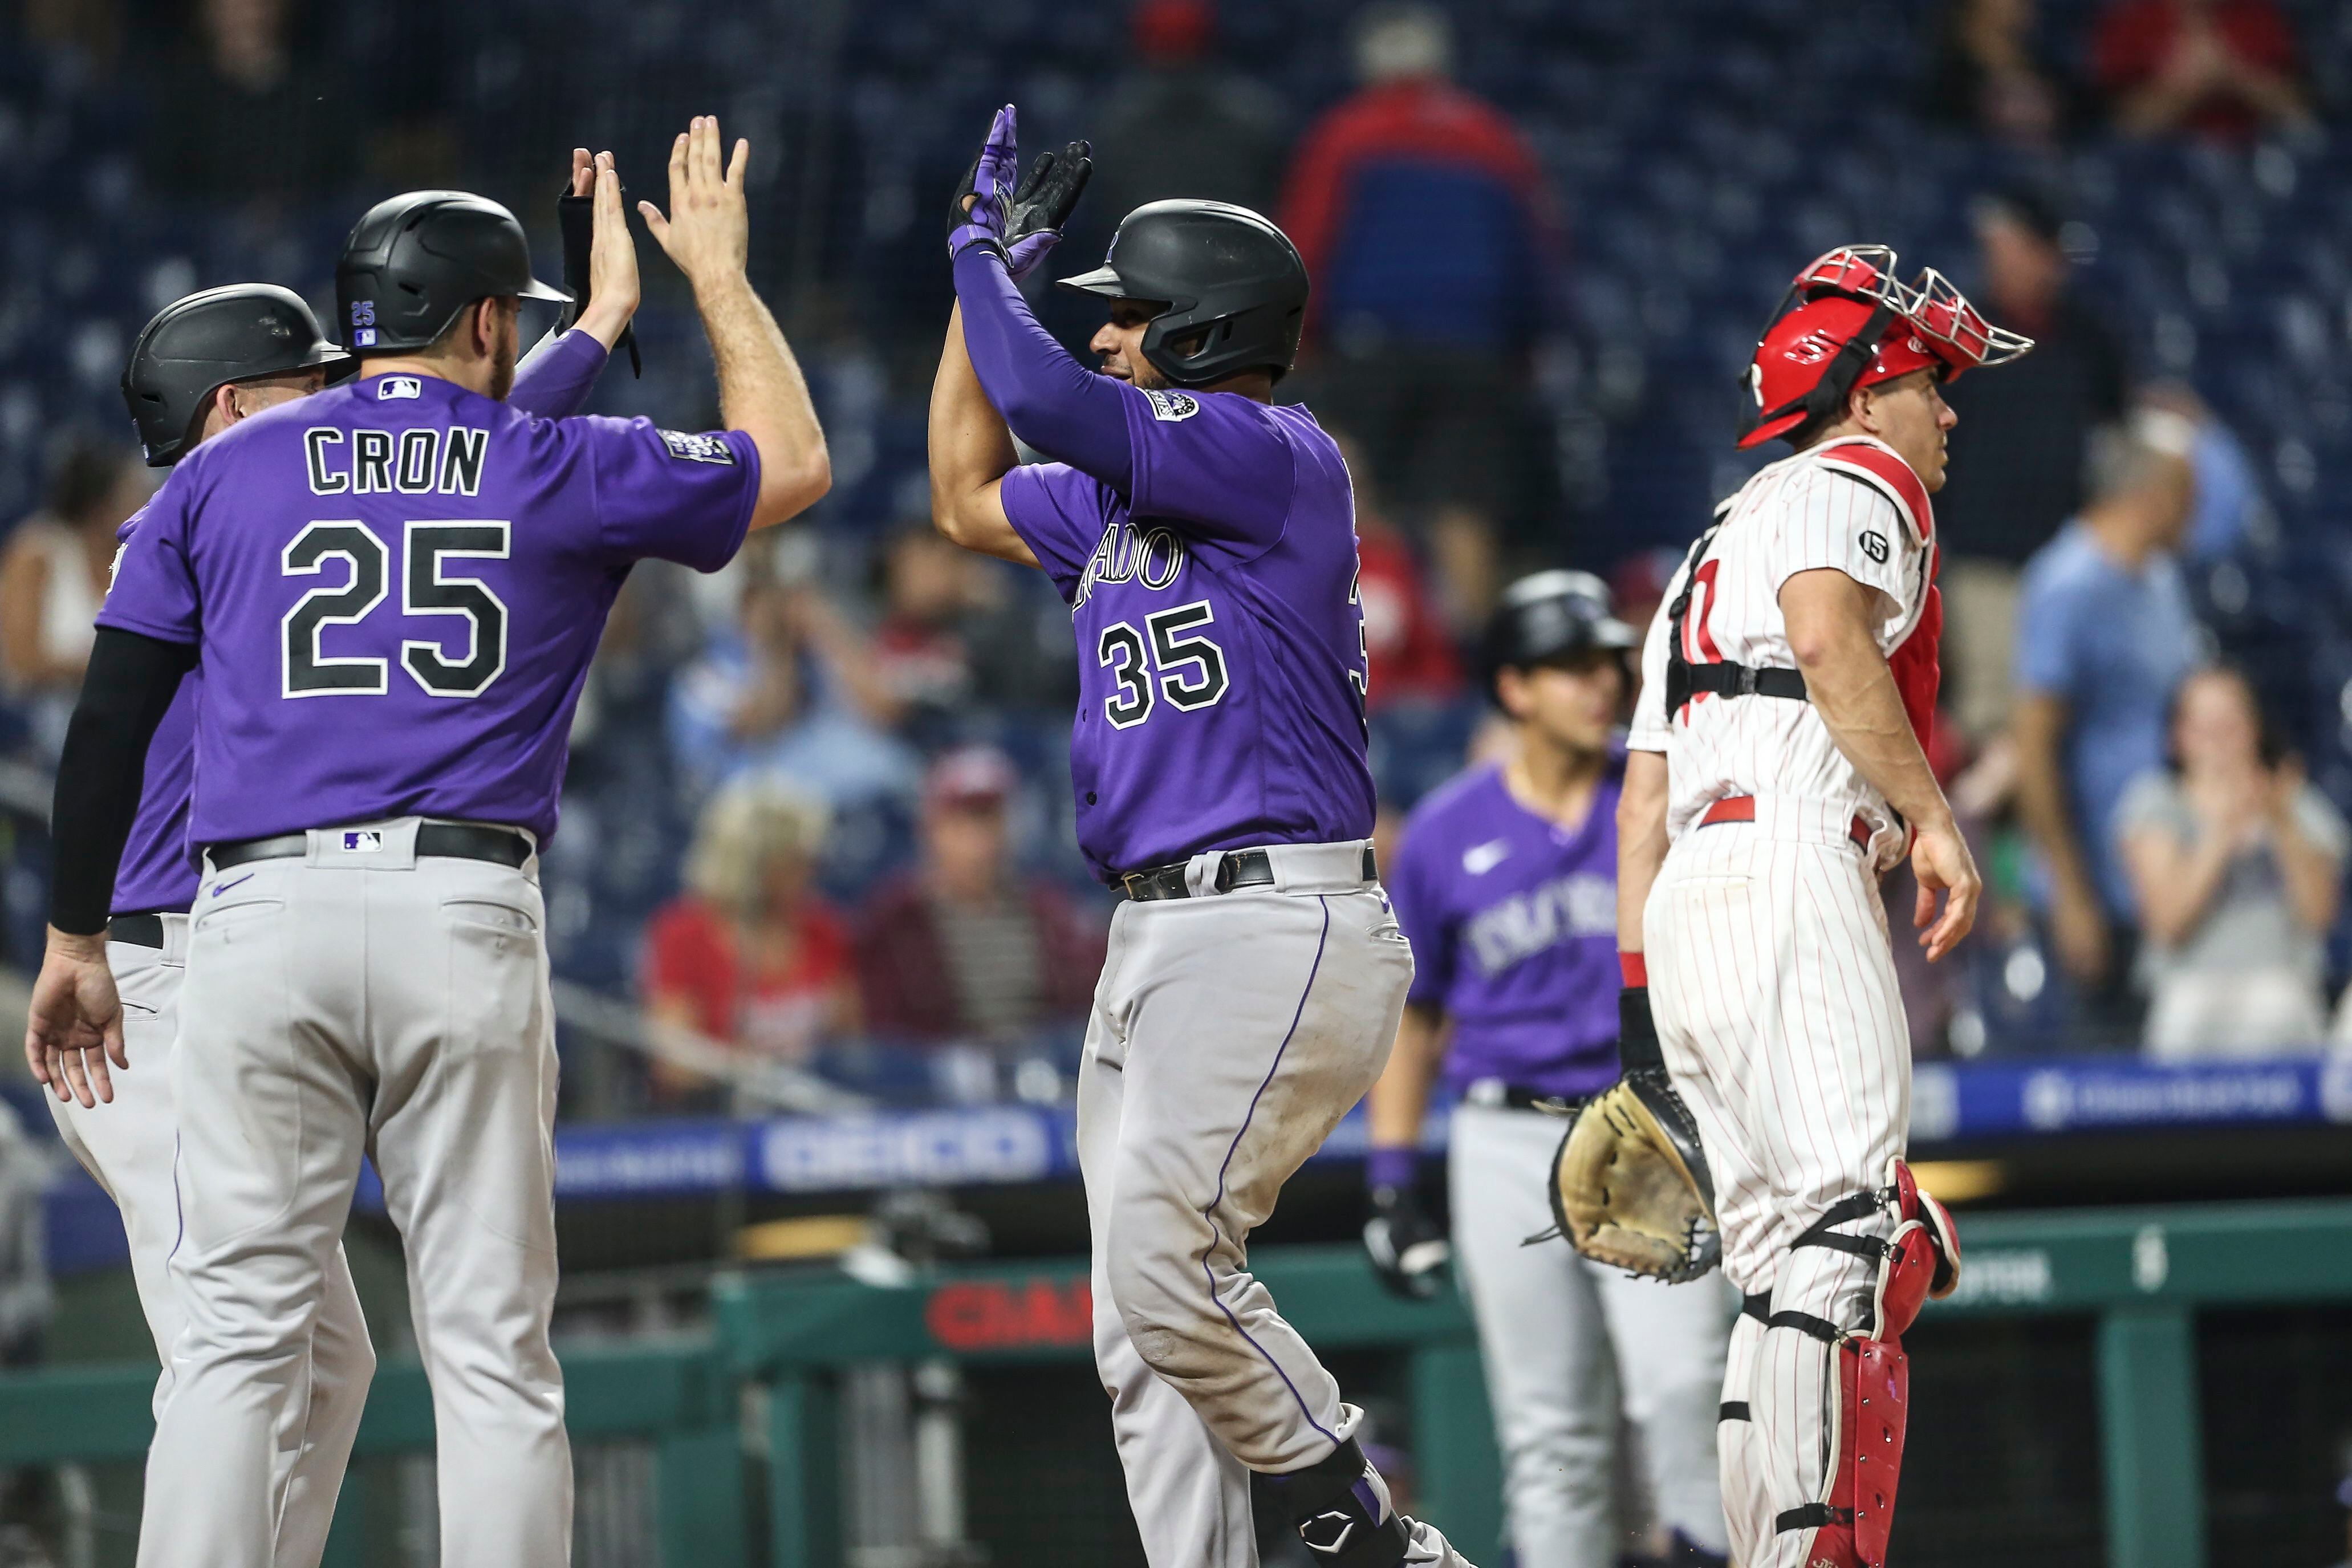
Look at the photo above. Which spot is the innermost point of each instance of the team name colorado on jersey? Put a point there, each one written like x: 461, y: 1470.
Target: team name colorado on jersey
x: 1850, y: 506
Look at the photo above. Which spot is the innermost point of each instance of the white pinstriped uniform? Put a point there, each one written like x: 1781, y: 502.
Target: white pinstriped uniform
x: 1770, y: 971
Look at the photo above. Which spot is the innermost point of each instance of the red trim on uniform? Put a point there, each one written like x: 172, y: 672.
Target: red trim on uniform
x: 1893, y: 474
x: 1742, y: 808
x: 1634, y: 968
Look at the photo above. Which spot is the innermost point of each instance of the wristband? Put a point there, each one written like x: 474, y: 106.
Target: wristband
x: 1633, y: 967
x: 1393, y: 1167
x: 1637, y: 1032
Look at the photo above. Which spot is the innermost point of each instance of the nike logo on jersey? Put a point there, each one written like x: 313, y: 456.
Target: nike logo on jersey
x: 220, y: 888
x: 1481, y: 858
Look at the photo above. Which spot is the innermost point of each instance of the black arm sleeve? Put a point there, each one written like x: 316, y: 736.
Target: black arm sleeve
x: 131, y: 681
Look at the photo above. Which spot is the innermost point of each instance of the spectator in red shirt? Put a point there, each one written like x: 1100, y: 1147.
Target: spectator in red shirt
x: 1406, y: 642
x: 921, y: 659
x: 964, y: 947
x: 748, y: 956
x: 2223, y: 68
x: 1425, y: 223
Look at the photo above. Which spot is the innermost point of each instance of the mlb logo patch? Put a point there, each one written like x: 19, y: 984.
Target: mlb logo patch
x: 392, y: 386
x: 364, y: 337
x: 361, y: 841
x: 696, y: 447
x: 1171, y: 406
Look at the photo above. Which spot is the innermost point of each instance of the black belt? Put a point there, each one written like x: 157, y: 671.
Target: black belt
x: 145, y: 929
x: 1727, y: 679
x: 1239, y: 868
x: 446, y: 840
x: 1512, y: 1096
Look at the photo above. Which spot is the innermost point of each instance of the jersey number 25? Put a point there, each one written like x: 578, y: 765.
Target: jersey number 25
x: 427, y: 588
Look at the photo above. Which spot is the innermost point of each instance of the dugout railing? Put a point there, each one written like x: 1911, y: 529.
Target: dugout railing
x: 2142, y: 1274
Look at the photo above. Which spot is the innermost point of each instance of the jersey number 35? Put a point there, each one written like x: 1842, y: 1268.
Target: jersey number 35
x: 1180, y: 664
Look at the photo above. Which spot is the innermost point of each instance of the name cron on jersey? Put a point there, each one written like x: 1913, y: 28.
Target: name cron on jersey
x: 425, y: 460
x: 1153, y: 556
x: 1579, y: 904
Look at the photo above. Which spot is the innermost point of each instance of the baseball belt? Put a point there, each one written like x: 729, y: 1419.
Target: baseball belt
x: 143, y: 929
x: 1238, y: 868
x: 1742, y: 808
x: 448, y: 840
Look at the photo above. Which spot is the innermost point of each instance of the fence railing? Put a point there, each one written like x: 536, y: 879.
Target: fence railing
x: 2142, y: 1274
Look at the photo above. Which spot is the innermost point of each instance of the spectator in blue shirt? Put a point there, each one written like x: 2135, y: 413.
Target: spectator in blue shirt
x: 2105, y: 633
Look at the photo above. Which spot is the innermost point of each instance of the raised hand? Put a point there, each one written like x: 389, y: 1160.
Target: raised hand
x: 709, y: 231
x: 981, y: 212
x: 1042, y: 205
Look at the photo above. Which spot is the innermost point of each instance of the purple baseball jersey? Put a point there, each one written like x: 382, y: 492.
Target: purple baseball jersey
x: 1220, y: 648
x: 157, y: 871
x: 395, y: 588
x: 1513, y: 921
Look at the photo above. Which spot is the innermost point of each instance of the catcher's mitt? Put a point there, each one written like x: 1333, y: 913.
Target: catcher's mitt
x: 1630, y: 1185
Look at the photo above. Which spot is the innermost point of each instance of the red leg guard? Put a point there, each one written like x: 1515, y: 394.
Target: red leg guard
x: 1874, y: 1389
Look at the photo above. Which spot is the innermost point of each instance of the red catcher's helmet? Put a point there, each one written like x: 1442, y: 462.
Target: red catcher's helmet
x: 1846, y: 322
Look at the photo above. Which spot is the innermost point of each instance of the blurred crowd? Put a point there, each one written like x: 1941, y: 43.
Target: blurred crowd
x: 818, y: 816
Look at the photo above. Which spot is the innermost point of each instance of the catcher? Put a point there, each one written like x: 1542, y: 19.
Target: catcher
x: 1505, y: 883
x: 1777, y: 771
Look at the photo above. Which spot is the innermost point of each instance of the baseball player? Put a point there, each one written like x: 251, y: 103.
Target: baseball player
x: 1205, y: 542
x: 1777, y: 769
x: 1507, y: 882
x: 366, y: 965
x: 201, y: 365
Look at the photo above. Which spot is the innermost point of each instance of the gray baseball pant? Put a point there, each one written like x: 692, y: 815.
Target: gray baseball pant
x: 1552, y: 1327
x: 127, y: 1144
x: 1230, y: 1033
x: 358, y: 1001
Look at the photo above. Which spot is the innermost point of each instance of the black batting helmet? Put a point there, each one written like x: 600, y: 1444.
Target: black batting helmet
x: 1551, y: 615
x: 415, y: 261
x: 200, y: 343
x: 1215, y: 269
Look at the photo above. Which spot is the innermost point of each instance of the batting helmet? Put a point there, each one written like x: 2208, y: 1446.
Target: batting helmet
x: 1846, y: 322
x: 198, y: 345
x: 413, y: 262
x: 1215, y: 270
x: 1551, y: 615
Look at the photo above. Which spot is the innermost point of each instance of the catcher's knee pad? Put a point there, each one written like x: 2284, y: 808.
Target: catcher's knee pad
x: 1921, y: 1260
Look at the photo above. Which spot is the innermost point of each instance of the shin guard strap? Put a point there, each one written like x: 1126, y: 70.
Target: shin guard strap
x: 1813, y: 1516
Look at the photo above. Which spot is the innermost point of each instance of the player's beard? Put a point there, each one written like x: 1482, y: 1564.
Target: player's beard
x: 502, y: 366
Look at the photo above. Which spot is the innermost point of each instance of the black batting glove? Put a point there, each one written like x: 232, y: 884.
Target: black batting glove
x: 1407, y: 1245
x: 575, y: 219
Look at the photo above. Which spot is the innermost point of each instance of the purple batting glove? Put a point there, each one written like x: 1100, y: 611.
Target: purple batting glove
x: 990, y: 184
x: 1022, y: 260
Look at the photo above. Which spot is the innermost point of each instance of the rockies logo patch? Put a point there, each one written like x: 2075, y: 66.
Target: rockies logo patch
x: 1171, y: 406
x: 693, y: 447
x: 1873, y: 544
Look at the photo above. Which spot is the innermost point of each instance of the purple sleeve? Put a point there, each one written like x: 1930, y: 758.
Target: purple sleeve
x: 154, y: 588
x: 1216, y: 460
x: 557, y: 376
x: 670, y: 494
x: 1420, y: 913
x: 1051, y: 401
x: 1059, y: 513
